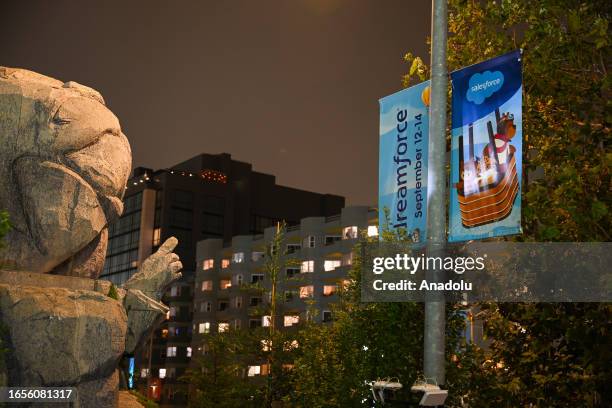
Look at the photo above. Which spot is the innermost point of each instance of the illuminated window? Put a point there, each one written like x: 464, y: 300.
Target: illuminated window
x: 329, y: 290
x: 289, y: 321
x: 171, y: 351
x: 349, y: 232
x: 238, y: 257
x: 204, y: 328
x: 188, y: 351
x: 372, y: 231
x: 208, y: 264
x: 225, y: 263
x: 164, y: 333
x: 265, y: 321
x: 175, y: 290
x: 225, y: 283
x: 162, y: 373
x: 306, y: 291
x: 207, y: 285
x: 254, y: 370
x: 266, y: 345
x: 256, y: 256
x: 156, y: 236
x: 172, y: 311
x: 331, y: 264
x: 144, y: 373
x: 307, y: 266
x: 224, y: 327
x: 309, y: 242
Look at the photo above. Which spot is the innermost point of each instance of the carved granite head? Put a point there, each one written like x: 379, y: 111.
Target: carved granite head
x: 64, y: 164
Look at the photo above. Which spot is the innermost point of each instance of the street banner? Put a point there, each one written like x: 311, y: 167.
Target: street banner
x: 486, y: 146
x: 402, y: 168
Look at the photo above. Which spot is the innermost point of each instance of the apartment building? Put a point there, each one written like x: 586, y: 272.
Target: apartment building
x: 207, y: 196
x: 321, y: 248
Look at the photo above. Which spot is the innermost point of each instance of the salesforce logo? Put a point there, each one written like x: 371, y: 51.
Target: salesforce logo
x: 483, y: 85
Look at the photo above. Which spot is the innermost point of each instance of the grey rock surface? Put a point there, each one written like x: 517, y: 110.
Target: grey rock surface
x: 99, y: 392
x: 24, y: 278
x: 58, y: 336
x: 64, y: 163
x: 144, y: 314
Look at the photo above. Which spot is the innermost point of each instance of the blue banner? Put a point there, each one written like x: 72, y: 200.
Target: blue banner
x: 402, y: 165
x: 486, y: 146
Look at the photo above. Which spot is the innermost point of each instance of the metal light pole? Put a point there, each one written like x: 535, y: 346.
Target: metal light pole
x: 435, y: 314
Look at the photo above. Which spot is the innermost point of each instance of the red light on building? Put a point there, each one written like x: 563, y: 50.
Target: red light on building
x: 154, y: 390
x: 214, y: 176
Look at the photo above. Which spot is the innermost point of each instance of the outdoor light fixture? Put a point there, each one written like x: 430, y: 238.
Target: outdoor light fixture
x: 433, y: 396
x: 387, y: 386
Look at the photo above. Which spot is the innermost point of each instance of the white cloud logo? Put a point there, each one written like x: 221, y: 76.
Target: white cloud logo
x: 483, y: 85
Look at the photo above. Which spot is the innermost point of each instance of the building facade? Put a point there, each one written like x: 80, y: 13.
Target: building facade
x: 207, y: 196
x: 321, y: 252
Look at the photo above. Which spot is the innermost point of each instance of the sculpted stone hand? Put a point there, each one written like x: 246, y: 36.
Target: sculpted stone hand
x: 157, y: 271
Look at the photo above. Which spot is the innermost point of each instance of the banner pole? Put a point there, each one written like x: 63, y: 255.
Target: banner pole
x: 435, y: 313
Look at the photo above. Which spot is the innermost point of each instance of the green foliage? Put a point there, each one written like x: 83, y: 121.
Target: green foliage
x: 219, y: 378
x: 552, y: 354
x: 146, y: 402
x: 418, y: 69
x: 366, y: 341
x: 547, y: 355
x: 566, y: 118
x: 112, y: 292
x: 4, y: 332
x: 277, y: 353
x: 5, y: 226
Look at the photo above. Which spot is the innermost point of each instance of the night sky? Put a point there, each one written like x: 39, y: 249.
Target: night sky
x: 289, y: 86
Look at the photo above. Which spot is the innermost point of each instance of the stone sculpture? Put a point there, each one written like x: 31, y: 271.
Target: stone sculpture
x: 64, y: 164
